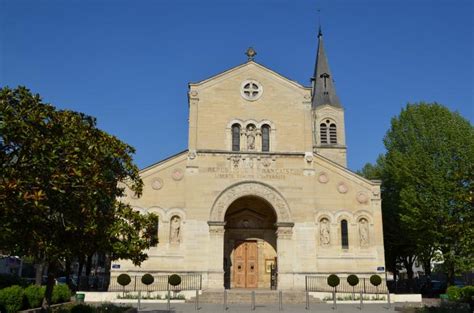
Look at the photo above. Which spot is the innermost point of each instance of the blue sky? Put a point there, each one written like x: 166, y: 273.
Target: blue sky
x: 128, y: 63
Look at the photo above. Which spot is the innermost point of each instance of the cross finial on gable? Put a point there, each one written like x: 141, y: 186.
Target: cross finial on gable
x: 251, y: 53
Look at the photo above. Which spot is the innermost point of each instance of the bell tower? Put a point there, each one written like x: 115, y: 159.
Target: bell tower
x: 329, y: 137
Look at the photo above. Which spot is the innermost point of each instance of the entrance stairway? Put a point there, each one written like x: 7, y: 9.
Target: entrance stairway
x: 236, y: 296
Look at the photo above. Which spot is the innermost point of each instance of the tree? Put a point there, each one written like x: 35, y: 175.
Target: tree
x: 428, y: 174
x: 61, y: 183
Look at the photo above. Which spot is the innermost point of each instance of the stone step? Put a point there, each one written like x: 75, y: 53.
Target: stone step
x: 261, y: 296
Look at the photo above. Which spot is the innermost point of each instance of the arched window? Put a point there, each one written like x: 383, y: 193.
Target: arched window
x: 265, y: 138
x: 332, y: 133
x: 323, y: 130
x: 236, y: 137
x: 344, y: 235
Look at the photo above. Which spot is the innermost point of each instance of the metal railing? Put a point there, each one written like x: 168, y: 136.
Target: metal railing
x: 318, y: 283
x: 160, y: 283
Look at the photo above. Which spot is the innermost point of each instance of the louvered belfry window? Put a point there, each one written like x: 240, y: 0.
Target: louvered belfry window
x: 265, y: 138
x: 344, y: 235
x: 323, y: 130
x: 236, y: 137
x: 332, y: 133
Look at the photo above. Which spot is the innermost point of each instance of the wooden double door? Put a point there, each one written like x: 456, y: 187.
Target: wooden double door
x: 245, y: 265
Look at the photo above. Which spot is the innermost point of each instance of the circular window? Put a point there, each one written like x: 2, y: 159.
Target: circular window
x: 251, y: 90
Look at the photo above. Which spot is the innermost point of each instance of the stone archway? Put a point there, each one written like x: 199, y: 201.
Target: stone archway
x: 283, y: 228
x: 250, y: 188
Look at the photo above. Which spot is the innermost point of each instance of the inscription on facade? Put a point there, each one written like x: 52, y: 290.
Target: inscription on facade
x: 249, y: 173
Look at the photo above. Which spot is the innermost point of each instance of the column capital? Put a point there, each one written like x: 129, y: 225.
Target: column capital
x: 216, y: 227
x: 284, y: 230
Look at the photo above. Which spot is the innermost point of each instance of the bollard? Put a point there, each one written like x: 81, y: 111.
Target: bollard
x: 225, y: 300
x: 253, y: 301
x: 388, y: 299
x: 196, y: 302
x: 280, y: 300
x: 361, y: 300
x: 139, y: 296
x: 334, y: 306
x: 307, y: 300
x: 169, y: 305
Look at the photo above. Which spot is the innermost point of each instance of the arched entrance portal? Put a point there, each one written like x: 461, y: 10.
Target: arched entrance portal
x: 250, y: 243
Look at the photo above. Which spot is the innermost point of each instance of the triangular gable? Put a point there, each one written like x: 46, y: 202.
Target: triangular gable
x: 163, y: 164
x: 346, y: 173
x: 242, y: 66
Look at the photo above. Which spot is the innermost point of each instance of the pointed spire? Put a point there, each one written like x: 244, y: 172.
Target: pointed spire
x: 324, y: 91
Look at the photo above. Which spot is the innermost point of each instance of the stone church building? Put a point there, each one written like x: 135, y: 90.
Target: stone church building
x: 263, y: 184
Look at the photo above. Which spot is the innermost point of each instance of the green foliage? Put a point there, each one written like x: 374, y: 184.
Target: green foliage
x: 11, y: 299
x: 147, y: 279
x: 34, y: 295
x: 333, y: 280
x: 352, y: 280
x: 83, y: 308
x: 124, y: 279
x: 375, y: 280
x: 174, y: 280
x: 467, y: 293
x: 428, y: 176
x: 449, y: 307
x: 454, y: 293
x: 61, y: 293
x: 62, y: 179
x: 111, y: 308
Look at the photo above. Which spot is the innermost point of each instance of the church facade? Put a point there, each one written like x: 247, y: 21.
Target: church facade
x: 262, y: 185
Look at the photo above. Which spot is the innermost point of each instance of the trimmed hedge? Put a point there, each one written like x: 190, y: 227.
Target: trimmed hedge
x: 174, y: 280
x: 333, y: 280
x: 61, y: 293
x: 83, y: 308
x: 124, y: 280
x: 147, y: 279
x: 11, y: 299
x: 467, y: 293
x: 34, y: 295
x: 454, y: 293
x: 352, y: 280
x: 375, y: 280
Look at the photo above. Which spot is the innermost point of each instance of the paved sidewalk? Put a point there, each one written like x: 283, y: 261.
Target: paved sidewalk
x: 266, y: 308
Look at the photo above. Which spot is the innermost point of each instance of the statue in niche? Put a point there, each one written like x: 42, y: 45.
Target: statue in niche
x: 324, y: 232
x: 364, y: 232
x: 175, y: 229
x: 251, y: 133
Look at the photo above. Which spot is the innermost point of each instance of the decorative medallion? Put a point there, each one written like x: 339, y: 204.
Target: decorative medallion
x: 308, y: 158
x: 251, y: 90
x: 177, y: 174
x: 342, y: 187
x: 192, y: 155
x: 266, y: 162
x: 323, y: 178
x: 157, y: 184
x: 194, y: 93
x: 362, y: 197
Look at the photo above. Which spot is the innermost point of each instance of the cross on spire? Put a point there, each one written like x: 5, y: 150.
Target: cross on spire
x: 324, y: 91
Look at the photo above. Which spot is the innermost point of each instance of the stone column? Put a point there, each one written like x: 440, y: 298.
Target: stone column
x: 286, y: 256
x: 216, y: 255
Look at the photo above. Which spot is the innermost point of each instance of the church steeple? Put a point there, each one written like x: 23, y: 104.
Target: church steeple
x: 324, y: 91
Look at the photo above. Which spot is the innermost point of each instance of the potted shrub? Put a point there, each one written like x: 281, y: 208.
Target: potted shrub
x: 124, y: 280
x: 174, y: 280
x: 376, y: 281
x: 147, y: 280
x: 353, y: 280
x: 333, y: 281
